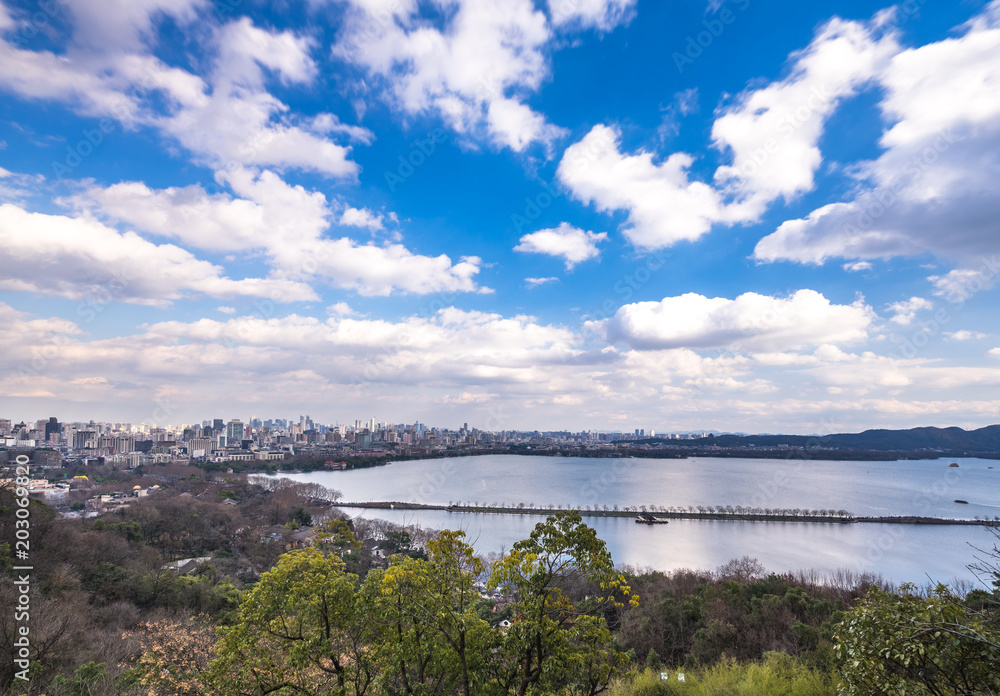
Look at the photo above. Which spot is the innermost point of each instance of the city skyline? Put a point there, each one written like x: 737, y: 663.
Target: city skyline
x: 53, y: 426
x: 583, y: 215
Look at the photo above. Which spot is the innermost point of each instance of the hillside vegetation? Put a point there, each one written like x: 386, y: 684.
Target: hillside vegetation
x: 370, y: 608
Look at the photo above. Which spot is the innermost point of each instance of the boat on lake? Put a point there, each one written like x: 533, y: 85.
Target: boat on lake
x: 646, y: 518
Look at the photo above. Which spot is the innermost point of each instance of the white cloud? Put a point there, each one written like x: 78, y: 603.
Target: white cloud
x: 125, y: 24
x: 240, y: 122
x: 80, y: 258
x: 750, y: 322
x: 571, y: 244
x: 856, y: 266
x: 770, y: 134
x: 961, y: 284
x: 905, y: 310
x: 684, y: 102
x: 270, y: 214
x: 226, y: 310
x: 664, y: 205
x: 866, y: 372
x: 325, y: 123
x: 603, y: 15
x: 466, y: 68
x: 224, y: 117
x: 485, y: 368
x: 252, y: 360
x: 382, y: 270
x: 994, y: 353
x: 362, y: 217
x: 17, y: 187
x: 470, y: 398
x: 342, y: 309
x: 930, y: 190
x: 288, y: 224
x: 964, y: 335
x: 453, y: 345
x: 535, y: 282
x: 773, y: 132
x: 244, y: 49
x: 6, y: 21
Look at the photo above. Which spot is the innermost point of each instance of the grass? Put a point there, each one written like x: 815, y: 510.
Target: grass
x: 776, y: 675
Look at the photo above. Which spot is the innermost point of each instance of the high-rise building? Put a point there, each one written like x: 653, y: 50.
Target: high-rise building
x: 234, y: 431
x: 117, y: 444
x: 53, y: 430
x: 84, y: 439
x: 199, y: 447
x: 218, y: 425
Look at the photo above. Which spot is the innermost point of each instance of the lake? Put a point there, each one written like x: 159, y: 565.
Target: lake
x: 899, y: 552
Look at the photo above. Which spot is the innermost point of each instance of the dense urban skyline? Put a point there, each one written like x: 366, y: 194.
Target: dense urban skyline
x: 563, y: 215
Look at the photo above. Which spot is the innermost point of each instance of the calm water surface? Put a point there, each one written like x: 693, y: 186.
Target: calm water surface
x: 899, y: 552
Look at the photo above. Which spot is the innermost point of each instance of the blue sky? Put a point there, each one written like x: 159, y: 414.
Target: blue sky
x: 585, y: 214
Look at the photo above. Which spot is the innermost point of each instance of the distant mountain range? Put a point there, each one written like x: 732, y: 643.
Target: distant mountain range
x: 948, y: 440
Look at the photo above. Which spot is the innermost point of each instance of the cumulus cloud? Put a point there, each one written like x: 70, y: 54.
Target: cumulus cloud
x: 867, y: 371
x: 362, y: 217
x: 80, y: 258
x: 750, y: 322
x: 463, y: 68
x: 239, y: 121
x: 664, y: 206
x: 905, y: 310
x: 961, y: 284
x: 223, y: 116
x: 603, y: 15
x: 289, y: 224
x: 383, y: 270
x: 342, y: 309
x: 486, y: 368
x: 535, y: 282
x: 769, y: 134
x: 268, y: 212
x: 772, y: 133
x: 569, y: 243
x: 453, y: 345
x: 856, y: 266
x: 125, y: 24
x: 963, y: 335
x: 930, y: 190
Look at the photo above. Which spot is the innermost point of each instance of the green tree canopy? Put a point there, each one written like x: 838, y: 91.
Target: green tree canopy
x: 906, y: 644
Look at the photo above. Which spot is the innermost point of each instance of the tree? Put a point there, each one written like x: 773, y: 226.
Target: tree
x: 906, y: 644
x: 174, y: 657
x: 553, y: 642
x: 422, y: 620
x: 297, y: 632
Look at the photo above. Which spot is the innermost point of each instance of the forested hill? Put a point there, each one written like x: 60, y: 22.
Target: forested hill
x: 953, y: 439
